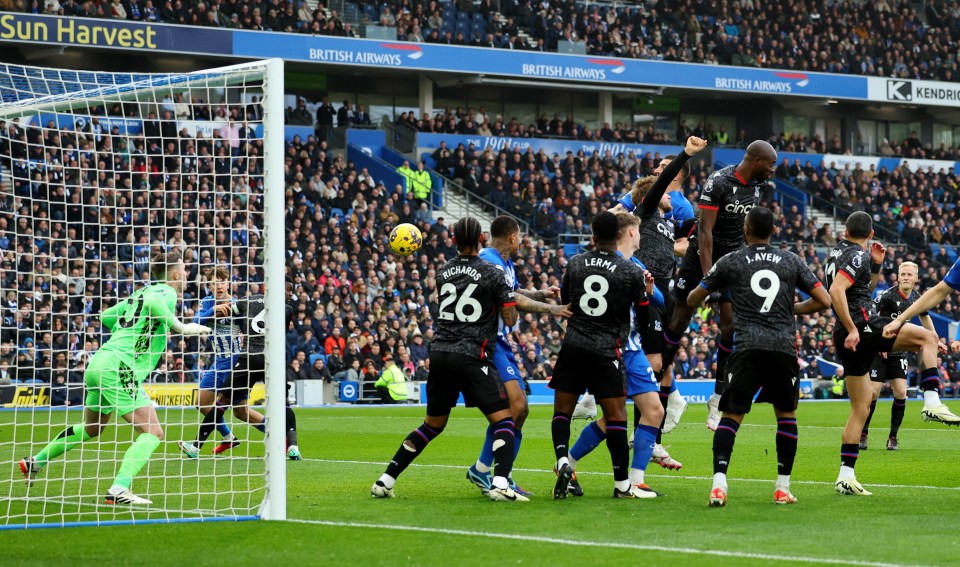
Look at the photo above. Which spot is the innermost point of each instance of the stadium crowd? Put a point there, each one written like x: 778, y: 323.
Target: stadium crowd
x: 878, y: 37
x: 83, y: 209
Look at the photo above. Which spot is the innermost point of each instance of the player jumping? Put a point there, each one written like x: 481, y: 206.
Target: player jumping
x: 727, y: 197
x: 762, y: 281
x: 139, y: 326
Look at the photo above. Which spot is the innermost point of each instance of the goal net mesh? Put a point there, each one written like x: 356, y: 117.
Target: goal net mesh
x: 99, y: 172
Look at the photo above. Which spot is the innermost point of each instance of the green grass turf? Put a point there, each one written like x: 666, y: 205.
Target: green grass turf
x: 910, y: 520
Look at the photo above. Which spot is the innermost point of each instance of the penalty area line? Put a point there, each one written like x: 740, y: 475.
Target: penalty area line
x: 601, y: 544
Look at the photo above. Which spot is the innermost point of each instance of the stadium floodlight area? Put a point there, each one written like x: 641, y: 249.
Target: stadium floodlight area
x: 99, y: 172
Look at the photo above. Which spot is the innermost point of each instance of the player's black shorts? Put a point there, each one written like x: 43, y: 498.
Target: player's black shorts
x: 452, y: 374
x: 891, y: 368
x: 689, y: 276
x: 579, y: 370
x: 249, y: 369
x: 652, y: 335
x: 859, y: 362
x: 776, y: 375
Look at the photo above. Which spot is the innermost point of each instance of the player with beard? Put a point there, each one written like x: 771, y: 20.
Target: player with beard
x: 727, y: 197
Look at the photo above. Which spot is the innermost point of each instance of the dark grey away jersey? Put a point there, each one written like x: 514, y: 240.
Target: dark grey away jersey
x: 762, y: 281
x: 601, y: 288
x: 849, y: 260
x: 471, y: 294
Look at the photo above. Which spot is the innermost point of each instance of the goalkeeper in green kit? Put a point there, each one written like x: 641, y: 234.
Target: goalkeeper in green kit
x: 139, y: 326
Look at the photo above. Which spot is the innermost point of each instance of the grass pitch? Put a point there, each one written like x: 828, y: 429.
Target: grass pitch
x: 439, y: 518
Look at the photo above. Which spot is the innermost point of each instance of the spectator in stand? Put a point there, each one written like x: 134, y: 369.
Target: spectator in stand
x: 319, y: 371
x: 334, y: 341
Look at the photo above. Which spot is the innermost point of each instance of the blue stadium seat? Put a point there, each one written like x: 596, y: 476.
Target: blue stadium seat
x: 571, y: 249
x: 335, y: 212
x: 479, y: 17
x: 478, y: 27
x: 463, y: 26
x: 317, y: 356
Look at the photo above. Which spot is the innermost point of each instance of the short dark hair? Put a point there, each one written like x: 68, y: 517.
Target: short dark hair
x: 162, y: 262
x: 859, y: 225
x: 685, y: 169
x: 760, y: 220
x: 467, y: 233
x: 605, y: 227
x: 504, y: 226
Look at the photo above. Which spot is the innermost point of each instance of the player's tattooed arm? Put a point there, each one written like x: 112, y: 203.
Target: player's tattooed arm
x: 527, y: 304
x: 509, y: 314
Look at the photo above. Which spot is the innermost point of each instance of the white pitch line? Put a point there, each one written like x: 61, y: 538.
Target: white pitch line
x: 678, y: 476
x: 603, y: 544
x: 945, y: 429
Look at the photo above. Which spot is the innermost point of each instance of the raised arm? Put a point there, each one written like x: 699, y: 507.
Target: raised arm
x: 652, y: 199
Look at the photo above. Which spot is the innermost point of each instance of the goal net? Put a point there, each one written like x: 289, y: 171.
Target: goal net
x: 100, y: 172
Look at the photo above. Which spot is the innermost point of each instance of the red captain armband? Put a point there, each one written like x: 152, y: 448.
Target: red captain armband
x: 510, y: 304
x: 845, y: 274
x: 710, y: 207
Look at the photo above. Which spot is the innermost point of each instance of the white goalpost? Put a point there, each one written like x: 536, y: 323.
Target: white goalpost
x: 99, y: 172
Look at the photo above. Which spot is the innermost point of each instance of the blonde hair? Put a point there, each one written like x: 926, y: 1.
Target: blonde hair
x: 909, y: 265
x: 625, y: 220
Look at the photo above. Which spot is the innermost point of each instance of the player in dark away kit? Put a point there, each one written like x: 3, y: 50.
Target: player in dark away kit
x: 727, y: 197
x: 762, y: 281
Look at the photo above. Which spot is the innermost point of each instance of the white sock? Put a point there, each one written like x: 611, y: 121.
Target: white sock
x: 931, y: 398
x: 387, y: 480
x: 720, y: 480
x: 563, y: 461
x: 501, y: 482
x: 622, y: 485
x: 636, y: 476
x: 230, y: 437
x: 675, y: 397
x: 482, y: 468
x: 573, y: 463
x: 783, y: 482
x: 846, y: 473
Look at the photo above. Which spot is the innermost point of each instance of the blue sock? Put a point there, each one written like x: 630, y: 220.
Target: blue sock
x: 644, y: 438
x: 222, y: 428
x: 486, y: 452
x: 590, y: 438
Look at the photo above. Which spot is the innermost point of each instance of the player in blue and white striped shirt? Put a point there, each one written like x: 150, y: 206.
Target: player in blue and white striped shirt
x: 226, y: 342
x: 505, y: 244
x: 642, y: 384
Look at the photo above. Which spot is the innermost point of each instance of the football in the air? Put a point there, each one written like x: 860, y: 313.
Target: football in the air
x: 405, y: 239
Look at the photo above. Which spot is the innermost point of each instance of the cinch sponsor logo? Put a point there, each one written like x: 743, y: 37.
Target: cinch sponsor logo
x: 598, y: 72
x: 738, y: 208
x: 793, y: 80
